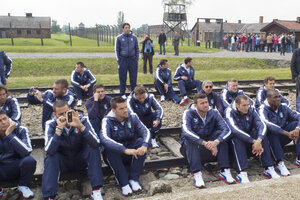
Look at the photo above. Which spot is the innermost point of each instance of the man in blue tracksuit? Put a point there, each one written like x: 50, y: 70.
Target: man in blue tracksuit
x: 214, y: 100
x: 5, y: 67
x: 163, y: 82
x: 127, y: 53
x: 230, y: 92
x: 261, y: 95
x: 184, y: 74
x: 82, y: 80
x: 248, y: 132
x: 70, y: 146
x: 98, y: 106
x: 126, y: 140
x: 60, y: 92
x: 10, y: 105
x: 283, y: 127
x: 15, y: 160
x: 205, y: 127
x: 142, y: 103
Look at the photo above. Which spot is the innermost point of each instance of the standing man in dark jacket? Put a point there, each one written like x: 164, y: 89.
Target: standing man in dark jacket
x: 148, y: 52
x: 15, y: 161
x: 295, y: 68
x: 126, y: 141
x: 176, y: 40
x: 70, y: 146
x: 162, y: 38
x: 5, y: 67
x: 82, y: 80
x: 127, y: 53
x: 98, y: 106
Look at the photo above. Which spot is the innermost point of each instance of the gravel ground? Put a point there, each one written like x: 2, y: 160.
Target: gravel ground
x: 228, y: 54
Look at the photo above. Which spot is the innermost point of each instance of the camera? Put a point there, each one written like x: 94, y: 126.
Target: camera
x: 69, y: 117
x: 32, y: 91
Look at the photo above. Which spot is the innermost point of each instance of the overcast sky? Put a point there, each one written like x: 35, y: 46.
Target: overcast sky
x: 138, y: 12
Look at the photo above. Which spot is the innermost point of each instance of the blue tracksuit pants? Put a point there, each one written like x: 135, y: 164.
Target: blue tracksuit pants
x: 188, y: 86
x: 148, y: 122
x: 80, y: 92
x: 278, y: 141
x: 22, y: 169
x: 192, y: 152
x: 170, y: 94
x: 59, y: 163
x: 242, y: 149
x: 117, y: 161
x: 131, y: 65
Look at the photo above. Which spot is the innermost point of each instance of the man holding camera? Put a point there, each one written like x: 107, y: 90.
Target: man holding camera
x: 60, y: 91
x: 148, y: 52
x: 71, y: 145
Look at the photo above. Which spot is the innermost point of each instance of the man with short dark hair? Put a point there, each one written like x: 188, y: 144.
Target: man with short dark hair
x: 98, y: 106
x: 205, y: 127
x: 176, y: 40
x: 142, y: 103
x: 71, y: 145
x: 10, y: 105
x: 261, y: 95
x: 60, y: 92
x: 185, y: 75
x: 214, y: 100
x: 162, y: 38
x: 5, y: 67
x: 126, y: 140
x: 249, y: 133
x: 82, y: 80
x: 163, y: 82
x: 15, y: 160
x: 283, y: 127
x: 127, y: 52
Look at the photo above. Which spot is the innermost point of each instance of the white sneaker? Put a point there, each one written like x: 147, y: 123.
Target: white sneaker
x: 26, y: 192
x: 198, y: 180
x: 135, y: 185
x: 162, y: 98
x: 283, y: 171
x: 271, y: 173
x: 154, y: 143
x: 96, y: 195
x: 79, y: 103
x: 226, y: 176
x: 124, y: 96
x: 126, y: 190
x: 242, y: 177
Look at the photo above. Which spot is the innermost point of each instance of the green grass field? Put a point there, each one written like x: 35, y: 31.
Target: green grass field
x: 43, y: 72
x: 60, y: 43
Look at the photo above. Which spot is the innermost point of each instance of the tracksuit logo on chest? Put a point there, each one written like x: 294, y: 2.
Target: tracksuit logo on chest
x: 281, y: 115
x: 247, y: 117
x: 147, y: 105
x: 195, y: 120
x: 115, y: 128
x: 105, y: 106
x: 212, y: 101
x: 129, y: 124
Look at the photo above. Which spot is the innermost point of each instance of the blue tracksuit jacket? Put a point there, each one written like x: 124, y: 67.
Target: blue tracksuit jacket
x: 163, y: 75
x: 127, y: 46
x: 116, y: 136
x: 182, y: 71
x: 227, y: 97
x: 12, y: 109
x: 5, y: 67
x: 261, y: 96
x: 86, y: 77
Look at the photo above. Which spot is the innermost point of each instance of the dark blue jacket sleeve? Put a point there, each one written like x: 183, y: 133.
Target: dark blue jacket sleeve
x: 8, y: 65
x: 141, y: 130
x: 293, y: 115
x: 157, y: 108
x: 118, y: 49
x: 170, y: 79
x: 223, y: 96
x: 137, y: 53
x: 222, y: 126
x: 52, y: 140
x: 177, y: 75
x: 73, y: 79
x: 285, y: 101
x: 272, y: 127
x: 92, y: 78
x: 16, y: 111
x: 187, y: 131
x: 89, y: 134
x: 20, y: 141
x: 92, y: 108
x: 259, y: 125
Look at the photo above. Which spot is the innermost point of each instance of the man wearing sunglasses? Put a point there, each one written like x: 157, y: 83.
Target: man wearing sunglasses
x: 214, y: 100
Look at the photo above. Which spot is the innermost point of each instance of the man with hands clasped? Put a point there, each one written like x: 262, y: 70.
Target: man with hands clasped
x: 71, y: 144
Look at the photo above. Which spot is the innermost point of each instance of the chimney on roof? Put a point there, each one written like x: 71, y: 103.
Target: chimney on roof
x: 261, y: 19
x: 8, y: 14
x: 28, y: 14
x: 298, y: 19
x: 239, y: 21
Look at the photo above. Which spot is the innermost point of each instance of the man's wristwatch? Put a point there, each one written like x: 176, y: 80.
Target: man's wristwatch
x: 58, y: 129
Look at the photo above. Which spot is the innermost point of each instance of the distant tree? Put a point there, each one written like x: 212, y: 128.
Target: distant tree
x: 121, y: 20
x: 55, y: 28
x: 65, y: 29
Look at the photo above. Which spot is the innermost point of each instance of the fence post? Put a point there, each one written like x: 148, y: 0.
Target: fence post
x: 97, y: 31
x: 42, y: 41
x: 11, y: 35
x: 70, y: 34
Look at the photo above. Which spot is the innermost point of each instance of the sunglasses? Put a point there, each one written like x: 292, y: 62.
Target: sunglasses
x: 208, y: 86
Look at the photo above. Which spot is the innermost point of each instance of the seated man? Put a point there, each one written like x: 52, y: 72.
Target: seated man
x: 98, y: 106
x: 185, y: 76
x: 163, y: 82
x: 248, y: 132
x: 5, y: 67
x: 204, y: 126
x: 283, y: 127
x: 10, y: 105
x: 15, y: 161
x: 70, y: 146
x: 126, y: 141
x: 60, y: 92
x: 261, y: 95
x: 142, y: 103
x: 82, y: 80
x: 230, y: 92
x: 214, y: 100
